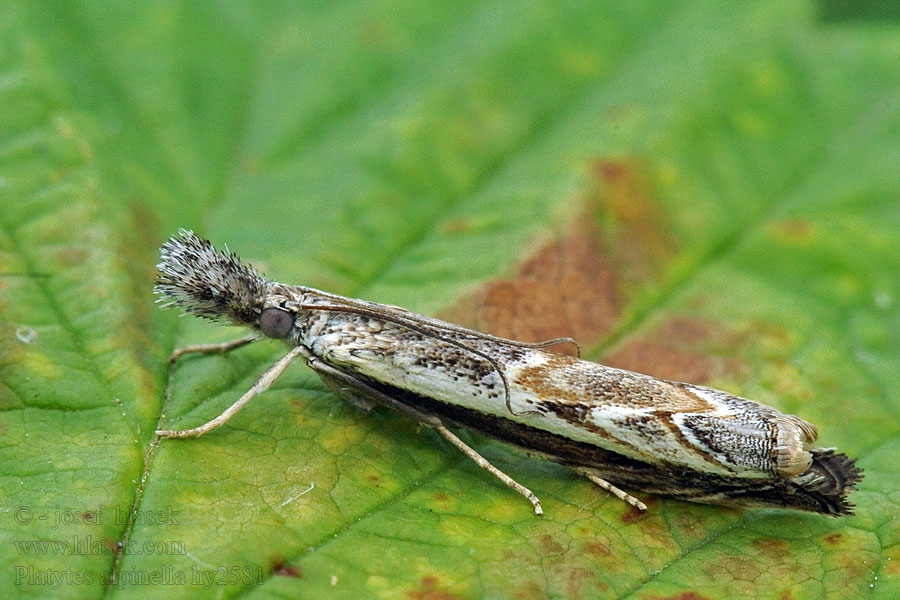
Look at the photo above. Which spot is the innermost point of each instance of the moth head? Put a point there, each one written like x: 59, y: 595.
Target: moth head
x: 279, y: 314
x: 276, y: 322
x: 208, y: 283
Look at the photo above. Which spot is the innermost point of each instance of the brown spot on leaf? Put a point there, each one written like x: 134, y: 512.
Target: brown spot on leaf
x: 441, y: 501
x: 632, y: 514
x: 772, y: 548
x: 682, y: 349
x: 567, y: 288
x: 280, y: 567
x: 597, y: 548
x: 289, y: 571
x: 852, y: 567
x: 611, y: 171
x: 661, y: 361
x: 833, y: 539
x: 550, y: 545
x: 693, y: 331
x: 786, y: 596
x: 575, y: 284
x: 428, y: 590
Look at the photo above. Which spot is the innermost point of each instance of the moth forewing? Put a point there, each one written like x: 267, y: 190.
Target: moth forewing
x: 619, y: 428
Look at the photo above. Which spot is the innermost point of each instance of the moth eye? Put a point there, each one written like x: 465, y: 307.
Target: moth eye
x: 276, y: 323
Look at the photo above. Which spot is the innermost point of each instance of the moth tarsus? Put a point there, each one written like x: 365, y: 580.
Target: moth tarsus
x: 618, y: 428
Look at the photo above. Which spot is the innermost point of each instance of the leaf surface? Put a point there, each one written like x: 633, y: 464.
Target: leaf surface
x: 697, y: 190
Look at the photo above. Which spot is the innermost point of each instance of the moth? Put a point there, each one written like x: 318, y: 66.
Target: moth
x: 618, y: 428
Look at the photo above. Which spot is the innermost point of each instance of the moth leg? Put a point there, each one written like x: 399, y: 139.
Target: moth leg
x: 261, y: 385
x: 485, y: 464
x: 346, y: 384
x: 212, y: 348
x: 350, y: 395
x: 620, y: 494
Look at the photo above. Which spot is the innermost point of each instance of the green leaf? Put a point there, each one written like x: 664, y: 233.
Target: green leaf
x: 699, y: 190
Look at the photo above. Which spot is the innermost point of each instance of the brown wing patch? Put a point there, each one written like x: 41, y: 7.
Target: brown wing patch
x: 563, y: 379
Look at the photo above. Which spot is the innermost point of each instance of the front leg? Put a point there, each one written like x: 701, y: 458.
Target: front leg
x: 220, y: 348
x: 261, y: 385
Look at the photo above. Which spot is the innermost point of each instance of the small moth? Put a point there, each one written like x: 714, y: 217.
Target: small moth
x: 618, y: 428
